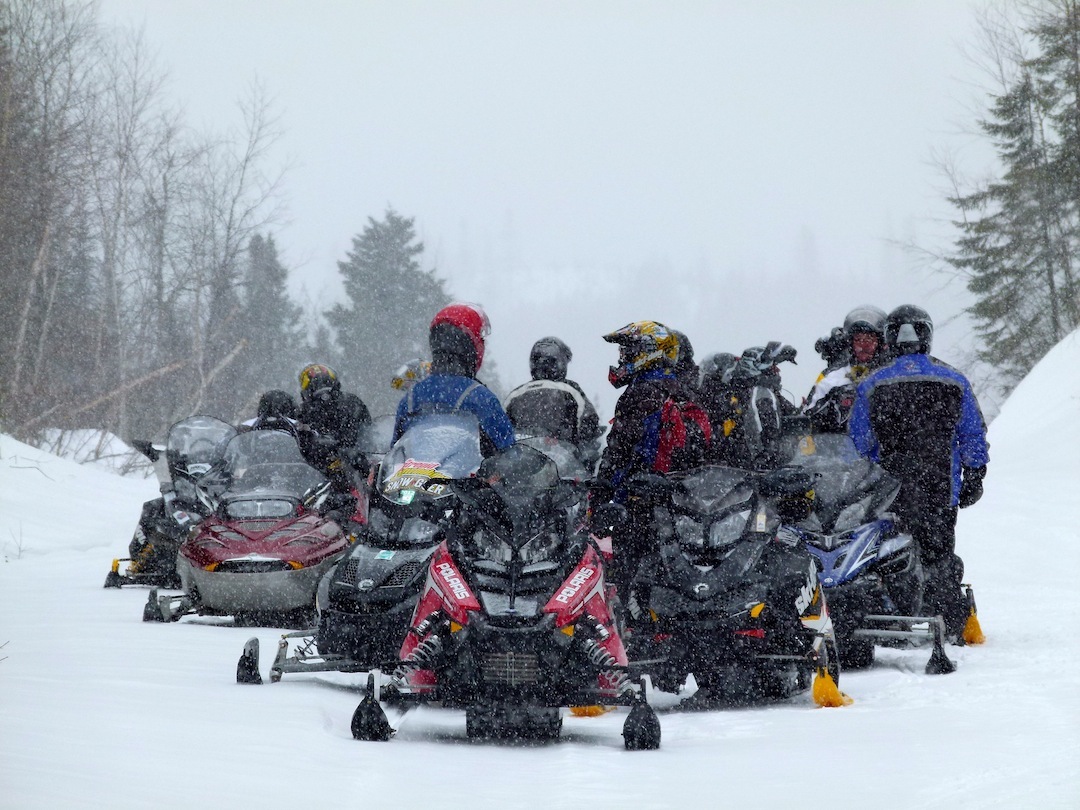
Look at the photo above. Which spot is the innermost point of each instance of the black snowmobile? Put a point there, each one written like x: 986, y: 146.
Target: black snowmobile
x: 727, y: 595
x: 192, y: 448
x: 366, y: 602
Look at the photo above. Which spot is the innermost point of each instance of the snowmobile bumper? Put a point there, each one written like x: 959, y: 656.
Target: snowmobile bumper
x: 253, y: 586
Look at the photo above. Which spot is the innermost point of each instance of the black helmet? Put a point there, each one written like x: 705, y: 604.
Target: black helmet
x: 318, y: 382
x: 549, y: 358
x: 866, y: 318
x: 716, y: 368
x: 909, y: 330
x: 685, y: 367
x: 276, y: 405
x: 835, y: 348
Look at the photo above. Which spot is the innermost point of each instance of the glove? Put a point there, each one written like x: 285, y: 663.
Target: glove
x: 971, y: 488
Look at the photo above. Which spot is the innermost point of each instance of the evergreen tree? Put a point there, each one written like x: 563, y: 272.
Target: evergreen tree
x: 271, y: 324
x: 1019, y: 233
x: 391, y: 303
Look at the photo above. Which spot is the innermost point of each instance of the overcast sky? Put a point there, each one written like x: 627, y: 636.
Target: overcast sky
x: 738, y: 170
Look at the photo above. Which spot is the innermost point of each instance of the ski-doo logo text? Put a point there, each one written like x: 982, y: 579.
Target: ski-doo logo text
x: 578, y: 580
x: 451, y: 578
x: 807, y: 591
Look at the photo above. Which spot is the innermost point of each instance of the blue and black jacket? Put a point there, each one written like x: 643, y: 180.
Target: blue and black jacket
x: 453, y: 393
x: 919, y: 418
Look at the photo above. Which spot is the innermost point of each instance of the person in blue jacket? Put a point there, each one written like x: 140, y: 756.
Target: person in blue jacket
x: 457, y: 336
x: 919, y: 418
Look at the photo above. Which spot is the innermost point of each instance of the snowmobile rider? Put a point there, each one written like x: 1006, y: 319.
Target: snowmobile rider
x: 919, y: 419
x: 745, y: 409
x: 410, y: 374
x: 830, y: 400
x: 552, y: 405
x: 331, y: 424
x: 648, y: 353
x: 457, y: 339
x: 277, y: 410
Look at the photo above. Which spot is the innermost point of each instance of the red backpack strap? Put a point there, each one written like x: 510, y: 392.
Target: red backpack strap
x: 672, y: 435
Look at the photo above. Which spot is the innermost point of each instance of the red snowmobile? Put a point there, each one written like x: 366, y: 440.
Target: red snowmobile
x: 514, y: 620
x: 260, y: 553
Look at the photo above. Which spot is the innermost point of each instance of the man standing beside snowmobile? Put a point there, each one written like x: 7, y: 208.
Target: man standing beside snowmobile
x: 919, y: 418
x: 648, y: 352
x: 457, y: 339
x: 331, y: 422
x: 830, y: 401
x: 552, y: 405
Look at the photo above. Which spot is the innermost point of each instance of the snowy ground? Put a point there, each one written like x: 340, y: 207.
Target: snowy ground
x: 98, y: 709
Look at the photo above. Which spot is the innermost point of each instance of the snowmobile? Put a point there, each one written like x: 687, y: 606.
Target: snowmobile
x: 260, y: 552
x: 193, y: 446
x: 867, y: 564
x: 366, y: 601
x: 514, y: 620
x: 727, y: 595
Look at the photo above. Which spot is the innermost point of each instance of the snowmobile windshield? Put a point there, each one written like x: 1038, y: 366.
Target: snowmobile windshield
x: 196, y: 443
x: 526, y: 507
x: 268, y: 463
x: 563, y: 453
x: 848, y: 488
x: 436, y: 449
x: 376, y: 437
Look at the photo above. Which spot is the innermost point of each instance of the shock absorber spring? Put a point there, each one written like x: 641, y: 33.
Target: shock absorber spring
x: 616, y: 676
x: 421, y: 657
x: 598, y: 655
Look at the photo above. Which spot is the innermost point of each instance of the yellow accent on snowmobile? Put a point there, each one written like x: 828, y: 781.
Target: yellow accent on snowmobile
x: 296, y: 566
x: 973, y: 633
x: 569, y: 629
x: 755, y: 611
x: 729, y: 425
x: 590, y: 711
x: 455, y: 627
x: 116, y: 566
x: 212, y: 566
x: 825, y: 691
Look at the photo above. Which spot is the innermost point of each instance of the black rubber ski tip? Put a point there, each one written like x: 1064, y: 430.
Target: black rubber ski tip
x: 641, y: 731
x: 112, y: 580
x: 369, y: 721
x: 151, y: 612
x: 939, y: 663
x: 247, y: 668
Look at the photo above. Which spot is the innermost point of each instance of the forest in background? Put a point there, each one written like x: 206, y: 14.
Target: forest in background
x: 140, y: 280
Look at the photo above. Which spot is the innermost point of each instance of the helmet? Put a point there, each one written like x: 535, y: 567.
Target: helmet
x: 759, y: 360
x: 866, y: 318
x: 685, y: 367
x: 276, y: 404
x: 318, y: 382
x: 410, y: 374
x: 643, y: 345
x: 549, y: 358
x: 835, y: 348
x: 716, y: 368
x: 909, y: 330
x: 459, y: 330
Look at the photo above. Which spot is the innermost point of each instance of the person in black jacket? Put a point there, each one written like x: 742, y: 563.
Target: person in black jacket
x: 553, y: 405
x: 331, y: 423
x: 919, y: 419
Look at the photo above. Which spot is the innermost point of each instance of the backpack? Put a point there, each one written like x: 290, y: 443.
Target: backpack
x: 685, y: 434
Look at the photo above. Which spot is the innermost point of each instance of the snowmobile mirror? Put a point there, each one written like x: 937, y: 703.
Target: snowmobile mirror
x: 146, y: 448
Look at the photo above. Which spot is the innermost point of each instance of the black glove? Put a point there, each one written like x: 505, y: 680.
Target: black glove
x: 971, y: 488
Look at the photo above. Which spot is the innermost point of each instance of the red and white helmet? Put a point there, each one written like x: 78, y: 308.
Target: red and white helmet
x: 469, y: 319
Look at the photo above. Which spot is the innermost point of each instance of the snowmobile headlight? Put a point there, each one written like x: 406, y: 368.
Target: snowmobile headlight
x: 689, y: 531
x: 728, y: 529
x: 302, y: 541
